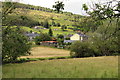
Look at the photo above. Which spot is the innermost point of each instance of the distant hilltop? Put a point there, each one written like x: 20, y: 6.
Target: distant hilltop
x: 39, y: 8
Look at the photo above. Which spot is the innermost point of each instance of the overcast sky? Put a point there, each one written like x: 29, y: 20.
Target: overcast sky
x: 74, y: 6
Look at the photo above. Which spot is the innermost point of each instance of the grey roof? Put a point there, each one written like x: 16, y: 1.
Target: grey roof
x: 31, y: 35
x: 83, y: 35
x: 69, y: 35
x: 69, y: 41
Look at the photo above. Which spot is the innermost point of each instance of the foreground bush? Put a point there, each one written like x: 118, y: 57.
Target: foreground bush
x: 81, y: 49
x: 15, y: 44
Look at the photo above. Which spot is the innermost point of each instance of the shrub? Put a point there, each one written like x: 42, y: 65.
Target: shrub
x: 50, y: 32
x: 42, y: 37
x: 67, y: 38
x: 63, y: 27
x: 58, y: 24
x: 15, y: 44
x: 81, y: 49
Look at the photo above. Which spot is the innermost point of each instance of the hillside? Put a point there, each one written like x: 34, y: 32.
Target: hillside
x: 30, y: 16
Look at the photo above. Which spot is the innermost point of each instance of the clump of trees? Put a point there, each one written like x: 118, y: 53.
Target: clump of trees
x: 103, y: 40
x: 42, y: 37
x: 60, y: 39
x: 81, y: 49
x: 63, y: 27
x: 15, y: 44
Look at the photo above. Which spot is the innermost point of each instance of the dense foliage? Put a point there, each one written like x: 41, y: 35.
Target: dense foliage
x: 103, y: 36
x: 50, y: 32
x: 60, y: 39
x: 15, y: 44
x: 42, y: 37
x: 81, y: 49
x: 58, y: 6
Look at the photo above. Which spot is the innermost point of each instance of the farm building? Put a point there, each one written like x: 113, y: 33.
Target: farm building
x: 76, y: 37
x: 68, y: 36
x: 31, y: 35
x: 79, y: 36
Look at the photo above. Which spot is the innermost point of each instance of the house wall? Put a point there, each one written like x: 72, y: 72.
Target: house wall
x: 81, y: 38
x: 75, y: 37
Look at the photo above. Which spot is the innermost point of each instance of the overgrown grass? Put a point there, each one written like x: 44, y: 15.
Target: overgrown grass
x: 93, y: 67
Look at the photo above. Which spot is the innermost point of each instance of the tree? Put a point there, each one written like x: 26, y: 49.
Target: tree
x: 58, y: 6
x: 85, y: 7
x: 15, y: 44
x: 81, y: 49
x: 50, y: 32
x: 89, y: 24
x: 101, y: 11
x: 53, y: 23
x: 105, y: 40
x: 12, y: 37
x: 58, y: 24
x: 104, y: 11
x: 63, y: 27
x: 42, y: 37
x: 105, y: 37
x: 60, y: 39
x: 7, y: 8
x: 60, y: 36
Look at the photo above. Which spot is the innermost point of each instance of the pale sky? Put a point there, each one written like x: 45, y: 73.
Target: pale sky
x: 74, y: 6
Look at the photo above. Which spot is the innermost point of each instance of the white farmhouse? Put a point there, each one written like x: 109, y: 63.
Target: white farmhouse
x: 78, y: 36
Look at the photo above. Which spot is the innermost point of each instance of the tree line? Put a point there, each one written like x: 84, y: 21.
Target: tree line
x: 103, y: 31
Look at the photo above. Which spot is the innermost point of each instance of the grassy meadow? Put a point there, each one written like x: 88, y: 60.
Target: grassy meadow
x: 37, y: 52
x: 93, y: 67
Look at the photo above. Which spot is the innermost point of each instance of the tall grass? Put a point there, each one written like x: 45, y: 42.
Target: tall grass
x: 94, y: 67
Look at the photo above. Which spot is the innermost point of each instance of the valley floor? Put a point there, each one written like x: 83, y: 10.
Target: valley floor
x: 38, y: 52
x: 93, y: 67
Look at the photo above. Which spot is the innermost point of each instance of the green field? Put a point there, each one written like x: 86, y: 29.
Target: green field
x: 93, y: 67
x: 55, y: 32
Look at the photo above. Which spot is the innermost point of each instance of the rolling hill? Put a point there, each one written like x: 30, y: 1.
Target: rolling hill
x: 28, y: 16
